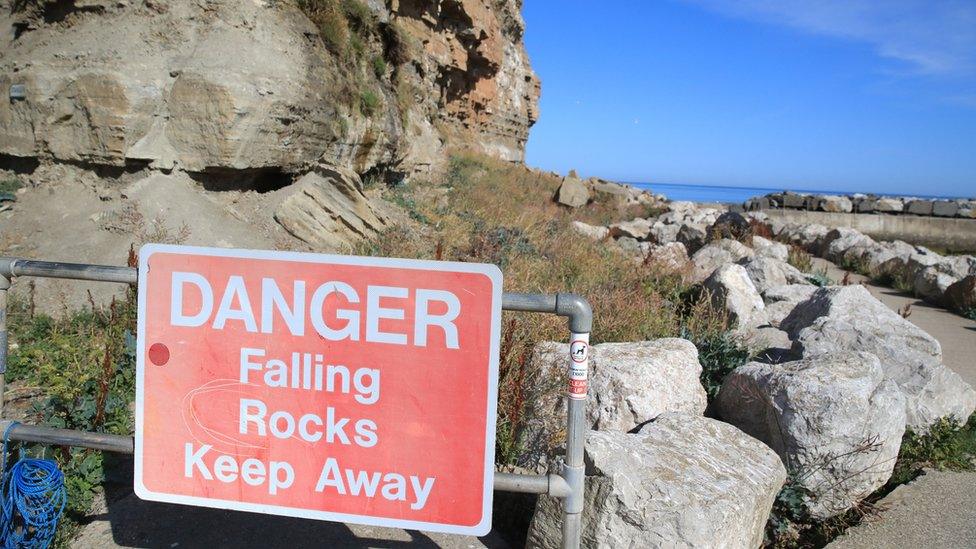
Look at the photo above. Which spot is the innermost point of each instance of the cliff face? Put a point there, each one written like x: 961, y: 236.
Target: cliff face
x: 234, y: 86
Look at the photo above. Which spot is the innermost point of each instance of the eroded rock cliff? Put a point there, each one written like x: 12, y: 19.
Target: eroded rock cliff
x: 261, y: 86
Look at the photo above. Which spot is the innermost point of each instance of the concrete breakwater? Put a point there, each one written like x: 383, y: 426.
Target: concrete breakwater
x: 861, y: 203
x: 953, y: 234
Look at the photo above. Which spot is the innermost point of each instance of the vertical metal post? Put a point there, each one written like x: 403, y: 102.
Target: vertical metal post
x: 4, y: 286
x: 580, y: 321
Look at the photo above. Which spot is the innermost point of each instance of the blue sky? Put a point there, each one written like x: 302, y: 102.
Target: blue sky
x: 854, y: 95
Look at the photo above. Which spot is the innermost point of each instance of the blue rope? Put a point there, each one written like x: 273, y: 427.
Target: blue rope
x: 34, y: 497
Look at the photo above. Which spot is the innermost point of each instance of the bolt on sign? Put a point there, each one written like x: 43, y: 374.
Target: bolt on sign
x: 340, y: 388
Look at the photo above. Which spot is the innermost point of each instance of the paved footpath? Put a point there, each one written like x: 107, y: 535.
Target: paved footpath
x: 938, y: 509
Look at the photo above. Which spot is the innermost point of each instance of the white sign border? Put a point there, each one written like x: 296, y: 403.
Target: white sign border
x: 491, y: 271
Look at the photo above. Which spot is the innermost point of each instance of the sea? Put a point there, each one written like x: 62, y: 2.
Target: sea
x: 732, y: 195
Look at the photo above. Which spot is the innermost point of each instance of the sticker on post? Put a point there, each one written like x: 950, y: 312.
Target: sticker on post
x: 351, y: 389
x: 579, y: 351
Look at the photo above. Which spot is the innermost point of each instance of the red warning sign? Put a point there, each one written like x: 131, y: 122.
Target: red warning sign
x: 339, y: 388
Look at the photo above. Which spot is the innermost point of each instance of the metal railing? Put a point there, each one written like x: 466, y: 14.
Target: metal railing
x: 568, y: 485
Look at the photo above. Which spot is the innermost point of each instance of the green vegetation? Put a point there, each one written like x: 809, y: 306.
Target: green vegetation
x: 83, y: 368
x: 9, y: 186
x: 948, y: 445
x: 970, y: 313
x: 379, y: 67
x: 363, y: 46
x: 799, y: 258
x: 820, y: 278
x: 486, y: 210
x: 719, y: 353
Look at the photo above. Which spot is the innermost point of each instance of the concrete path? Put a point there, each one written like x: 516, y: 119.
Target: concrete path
x: 938, y: 509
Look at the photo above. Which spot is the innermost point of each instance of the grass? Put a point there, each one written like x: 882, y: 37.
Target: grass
x: 369, y: 102
x: 83, y: 364
x: 485, y: 210
x: 800, y: 258
x: 379, y: 67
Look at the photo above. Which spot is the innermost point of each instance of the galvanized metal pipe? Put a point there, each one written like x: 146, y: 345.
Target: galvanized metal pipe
x: 4, y: 286
x: 67, y: 437
x: 11, y: 267
x: 554, y: 485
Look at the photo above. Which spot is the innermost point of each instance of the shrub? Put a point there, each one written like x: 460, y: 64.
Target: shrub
x: 84, y: 365
x: 9, y: 186
x: 369, y: 102
x: 970, y: 313
x: 333, y: 26
x: 719, y: 353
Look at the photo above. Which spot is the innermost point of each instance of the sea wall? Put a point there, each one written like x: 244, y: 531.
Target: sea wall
x: 863, y: 203
x: 946, y: 233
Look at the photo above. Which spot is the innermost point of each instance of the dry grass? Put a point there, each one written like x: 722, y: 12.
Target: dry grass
x: 489, y: 211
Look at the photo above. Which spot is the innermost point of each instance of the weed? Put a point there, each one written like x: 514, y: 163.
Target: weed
x: 820, y: 278
x: 800, y: 258
x: 369, y: 102
x: 946, y: 445
x: 719, y: 353
x: 379, y: 67
x: 970, y: 313
x: 855, y: 264
x: 84, y: 364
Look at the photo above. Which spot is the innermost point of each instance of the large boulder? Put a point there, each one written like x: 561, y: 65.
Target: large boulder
x: 573, y: 192
x: 887, y: 258
x: 919, y: 207
x: 767, y: 248
x: 849, y: 318
x: 692, y: 235
x: 889, y: 205
x: 629, y: 384
x: 730, y: 225
x: 682, y: 481
x: 838, y: 241
x: 592, y: 232
x: 328, y: 210
x: 835, y: 420
x: 718, y: 253
x: 931, y: 283
x: 766, y: 272
x: 671, y: 256
x: 733, y: 291
x: 961, y: 296
x: 945, y: 208
x: 832, y: 203
x: 807, y: 235
x: 958, y: 266
x: 664, y: 233
x: 781, y: 300
x: 638, y: 228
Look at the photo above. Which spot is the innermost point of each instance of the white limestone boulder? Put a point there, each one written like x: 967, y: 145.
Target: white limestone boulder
x: 629, y: 384
x: 681, y: 481
x: 849, y: 318
x: 733, y: 291
x: 835, y: 420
